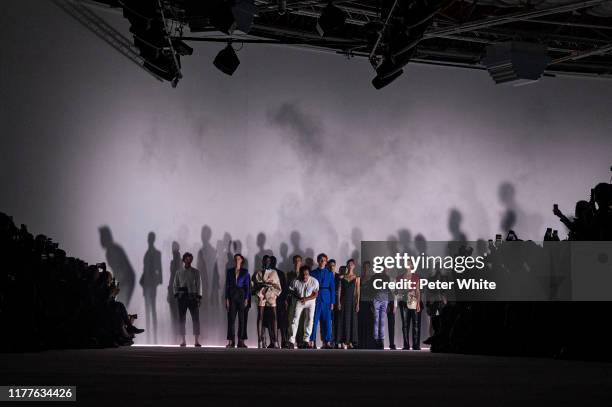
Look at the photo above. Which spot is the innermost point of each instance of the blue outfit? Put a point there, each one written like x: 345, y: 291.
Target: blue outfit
x: 326, y: 297
x: 380, y: 301
x: 233, y: 284
x: 237, y: 292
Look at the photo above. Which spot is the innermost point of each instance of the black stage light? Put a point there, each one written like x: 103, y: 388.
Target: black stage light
x: 516, y: 63
x: 332, y: 19
x: 380, y: 82
x: 226, y: 60
x: 152, y: 40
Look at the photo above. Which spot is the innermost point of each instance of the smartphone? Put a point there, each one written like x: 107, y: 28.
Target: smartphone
x: 555, y: 207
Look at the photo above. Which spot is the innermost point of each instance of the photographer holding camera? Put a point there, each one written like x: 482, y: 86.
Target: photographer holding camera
x: 117, y: 324
x: 188, y: 291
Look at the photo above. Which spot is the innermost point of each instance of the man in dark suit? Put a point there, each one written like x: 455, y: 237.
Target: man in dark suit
x: 237, y: 297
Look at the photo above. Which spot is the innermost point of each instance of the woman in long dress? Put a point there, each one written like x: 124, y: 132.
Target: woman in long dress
x: 348, y: 303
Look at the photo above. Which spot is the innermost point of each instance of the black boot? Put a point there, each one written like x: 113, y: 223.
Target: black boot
x: 133, y: 330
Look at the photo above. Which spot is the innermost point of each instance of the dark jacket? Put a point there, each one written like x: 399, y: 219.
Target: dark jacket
x: 243, y: 282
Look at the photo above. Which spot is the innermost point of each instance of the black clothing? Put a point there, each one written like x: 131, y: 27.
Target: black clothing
x: 347, y: 321
x: 282, y: 309
x: 410, y: 319
x: 237, y: 292
x: 175, y: 264
x: 191, y: 303
x: 237, y: 308
x: 366, y: 316
x: 391, y: 323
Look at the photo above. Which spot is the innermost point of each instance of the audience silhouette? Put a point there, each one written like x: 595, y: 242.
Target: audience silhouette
x: 54, y: 301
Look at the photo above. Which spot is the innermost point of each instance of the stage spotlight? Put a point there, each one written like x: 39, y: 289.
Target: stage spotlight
x: 332, y: 19
x: 152, y: 39
x: 388, y: 68
x: 380, y: 82
x: 226, y: 60
x: 516, y: 63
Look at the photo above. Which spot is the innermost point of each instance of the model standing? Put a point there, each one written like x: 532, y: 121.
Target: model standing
x: 188, y: 290
x: 237, y: 293
x: 348, y: 304
x: 266, y: 286
x: 304, y: 289
x: 324, y: 303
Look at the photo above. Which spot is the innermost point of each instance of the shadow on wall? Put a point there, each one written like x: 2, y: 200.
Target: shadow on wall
x: 356, y: 238
x: 507, y: 197
x: 205, y: 260
x: 286, y: 262
x: 205, y: 263
x: 222, y: 260
x: 261, y: 251
x: 119, y: 264
x: 296, y: 239
x: 150, y: 279
x: 454, y: 226
x: 175, y: 264
x: 528, y: 225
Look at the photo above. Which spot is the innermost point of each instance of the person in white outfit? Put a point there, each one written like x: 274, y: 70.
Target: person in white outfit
x: 305, y: 289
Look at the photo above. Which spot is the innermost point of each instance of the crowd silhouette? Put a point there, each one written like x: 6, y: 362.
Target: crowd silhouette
x: 57, y: 301
x: 49, y: 300
x: 552, y: 328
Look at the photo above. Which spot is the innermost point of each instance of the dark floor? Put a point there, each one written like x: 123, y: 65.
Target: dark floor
x: 216, y: 376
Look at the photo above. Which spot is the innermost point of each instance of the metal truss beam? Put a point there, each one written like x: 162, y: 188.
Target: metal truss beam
x: 90, y: 20
x: 490, y: 22
x: 584, y: 54
x: 513, y: 17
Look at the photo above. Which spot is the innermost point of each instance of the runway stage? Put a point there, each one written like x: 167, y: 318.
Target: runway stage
x: 208, y: 376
